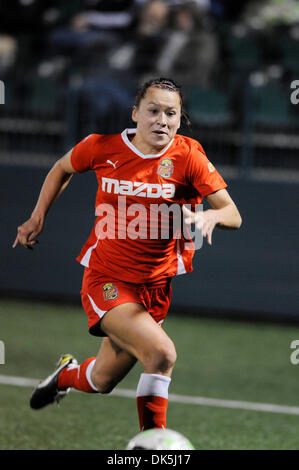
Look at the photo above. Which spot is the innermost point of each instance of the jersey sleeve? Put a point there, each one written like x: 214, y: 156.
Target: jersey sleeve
x: 82, y: 156
x: 202, y: 174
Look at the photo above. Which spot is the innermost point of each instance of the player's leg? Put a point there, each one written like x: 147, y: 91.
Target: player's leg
x: 98, y: 296
x: 109, y: 367
x: 134, y: 331
x: 132, y: 334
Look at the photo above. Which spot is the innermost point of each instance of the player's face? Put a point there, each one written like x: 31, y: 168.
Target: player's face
x: 158, y: 118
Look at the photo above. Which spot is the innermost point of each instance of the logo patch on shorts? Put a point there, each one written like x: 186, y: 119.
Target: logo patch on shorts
x: 110, y: 292
x: 165, y: 168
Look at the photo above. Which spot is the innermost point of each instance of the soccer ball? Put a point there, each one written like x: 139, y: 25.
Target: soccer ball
x: 159, y: 439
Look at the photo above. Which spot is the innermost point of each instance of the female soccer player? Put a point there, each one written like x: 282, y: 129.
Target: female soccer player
x: 126, y: 289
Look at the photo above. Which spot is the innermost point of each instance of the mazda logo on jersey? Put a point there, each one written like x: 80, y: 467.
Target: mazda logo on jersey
x: 138, y: 188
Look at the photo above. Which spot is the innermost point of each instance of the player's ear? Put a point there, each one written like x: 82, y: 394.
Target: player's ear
x: 134, y: 114
x: 179, y: 124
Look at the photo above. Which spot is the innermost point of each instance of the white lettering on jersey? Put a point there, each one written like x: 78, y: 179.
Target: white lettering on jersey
x: 138, y: 188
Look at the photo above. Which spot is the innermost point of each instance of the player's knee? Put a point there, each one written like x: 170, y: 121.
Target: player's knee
x: 163, y: 358
x: 104, y: 385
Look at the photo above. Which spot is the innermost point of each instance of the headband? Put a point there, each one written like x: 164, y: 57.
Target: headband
x: 168, y: 86
x: 165, y: 85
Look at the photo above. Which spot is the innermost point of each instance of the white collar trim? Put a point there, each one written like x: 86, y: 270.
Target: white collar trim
x: 127, y: 141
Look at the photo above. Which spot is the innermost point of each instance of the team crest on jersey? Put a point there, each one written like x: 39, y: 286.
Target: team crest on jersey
x: 165, y: 168
x: 211, y: 167
x: 110, y: 292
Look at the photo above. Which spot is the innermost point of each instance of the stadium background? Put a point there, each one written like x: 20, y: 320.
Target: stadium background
x: 63, y: 82
x: 71, y: 68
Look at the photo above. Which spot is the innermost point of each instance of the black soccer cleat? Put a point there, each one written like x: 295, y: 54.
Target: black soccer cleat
x: 47, y: 391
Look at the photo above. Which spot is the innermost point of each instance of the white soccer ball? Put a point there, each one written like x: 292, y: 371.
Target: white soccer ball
x: 159, y: 439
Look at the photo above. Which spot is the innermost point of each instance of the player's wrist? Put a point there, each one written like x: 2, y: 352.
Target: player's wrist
x: 215, y: 215
x: 38, y: 217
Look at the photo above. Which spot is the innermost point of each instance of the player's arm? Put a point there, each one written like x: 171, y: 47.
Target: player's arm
x: 227, y: 214
x: 224, y: 214
x: 55, y: 182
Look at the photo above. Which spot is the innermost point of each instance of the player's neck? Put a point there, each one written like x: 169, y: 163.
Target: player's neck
x: 144, y: 147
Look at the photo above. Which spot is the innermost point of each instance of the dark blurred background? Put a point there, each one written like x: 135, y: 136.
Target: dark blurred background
x: 71, y: 68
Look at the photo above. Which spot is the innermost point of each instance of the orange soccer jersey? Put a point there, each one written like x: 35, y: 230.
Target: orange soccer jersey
x: 134, y: 190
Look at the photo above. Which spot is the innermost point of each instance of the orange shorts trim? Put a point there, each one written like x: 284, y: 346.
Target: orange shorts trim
x: 100, y: 293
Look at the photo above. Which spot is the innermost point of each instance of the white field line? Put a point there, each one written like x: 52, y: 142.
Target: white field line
x: 122, y: 392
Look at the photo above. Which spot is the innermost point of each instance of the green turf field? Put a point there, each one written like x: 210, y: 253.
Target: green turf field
x: 217, y: 359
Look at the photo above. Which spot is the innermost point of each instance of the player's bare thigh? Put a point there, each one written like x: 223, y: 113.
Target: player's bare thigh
x: 133, y: 330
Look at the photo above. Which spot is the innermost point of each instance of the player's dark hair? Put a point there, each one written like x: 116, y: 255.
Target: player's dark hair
x: 164, y: 84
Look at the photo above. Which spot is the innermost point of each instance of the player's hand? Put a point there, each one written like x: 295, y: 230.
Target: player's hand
x: 203, y: 220
x: 27, y: 233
